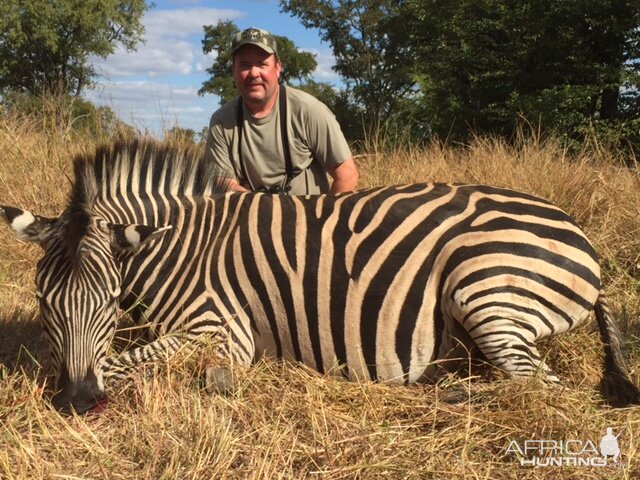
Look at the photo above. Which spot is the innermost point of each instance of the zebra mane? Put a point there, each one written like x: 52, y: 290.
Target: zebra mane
x: 144, y: 166
x: 138, y: 167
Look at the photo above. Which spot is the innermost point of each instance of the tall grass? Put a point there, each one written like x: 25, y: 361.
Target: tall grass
x: 288, y: 422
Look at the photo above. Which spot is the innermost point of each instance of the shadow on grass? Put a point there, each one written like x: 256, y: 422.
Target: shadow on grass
x: 22, y: 348
x: 628, y: 323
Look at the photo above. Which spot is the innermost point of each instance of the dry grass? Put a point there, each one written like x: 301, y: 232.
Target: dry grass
x: 288, y: 422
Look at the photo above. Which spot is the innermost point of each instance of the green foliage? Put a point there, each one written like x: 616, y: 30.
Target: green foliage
x: 421, y: 68
x: 297, y: 65
x: 615, y: 136
x: 45, y: 44
x: 370, y: 49
x: 67, y: 115
x: 218, y: 39
x: 486, y: 63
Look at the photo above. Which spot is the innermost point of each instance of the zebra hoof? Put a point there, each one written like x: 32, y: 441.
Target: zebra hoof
x: 219, y: 381
x: 454, y: 395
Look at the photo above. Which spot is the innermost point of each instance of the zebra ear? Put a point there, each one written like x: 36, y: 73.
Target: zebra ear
x: 132, y: 236
x: 27, y: 226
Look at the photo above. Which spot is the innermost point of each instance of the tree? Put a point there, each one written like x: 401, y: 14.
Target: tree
x: 484, y: 63
x: 182, y: 135
x: 45, y: 44
x: 368, y: 43
x: 297, y: 65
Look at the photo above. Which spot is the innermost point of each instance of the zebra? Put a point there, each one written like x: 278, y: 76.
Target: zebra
x: 378, y: 284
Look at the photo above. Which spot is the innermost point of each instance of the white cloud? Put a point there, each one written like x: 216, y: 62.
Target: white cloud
x: 151, y: 60
x: 184, y: 2
x: 172, y: 45
x: 156, y: 104
x: 184, y: 22
x: 205, y: 62
x: 323, y: 72
x: 155, y: 87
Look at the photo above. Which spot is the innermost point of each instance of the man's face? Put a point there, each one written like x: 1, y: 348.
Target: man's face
x: 256, y: 74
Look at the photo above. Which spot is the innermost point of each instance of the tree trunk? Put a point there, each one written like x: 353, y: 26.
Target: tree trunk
x: 609, y: 103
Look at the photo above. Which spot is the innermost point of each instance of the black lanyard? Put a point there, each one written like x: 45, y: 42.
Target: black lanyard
x: 282, y: 98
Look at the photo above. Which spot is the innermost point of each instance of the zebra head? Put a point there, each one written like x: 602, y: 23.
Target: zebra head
x: 78, y: 285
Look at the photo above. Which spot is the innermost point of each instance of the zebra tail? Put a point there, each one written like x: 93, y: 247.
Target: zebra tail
x: 616, y: 386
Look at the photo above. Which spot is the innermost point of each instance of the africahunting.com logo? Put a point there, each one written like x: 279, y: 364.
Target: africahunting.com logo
x: 568, y: 453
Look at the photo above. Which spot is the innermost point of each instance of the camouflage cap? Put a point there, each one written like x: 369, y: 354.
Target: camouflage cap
x: 255, y: 36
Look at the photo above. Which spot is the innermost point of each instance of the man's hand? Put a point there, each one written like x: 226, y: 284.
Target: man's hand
x: 233, y: 185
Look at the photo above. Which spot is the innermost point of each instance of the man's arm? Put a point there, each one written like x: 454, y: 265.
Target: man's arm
x: 217, y: 152
x: 233, y: 185
x: 345, y: 176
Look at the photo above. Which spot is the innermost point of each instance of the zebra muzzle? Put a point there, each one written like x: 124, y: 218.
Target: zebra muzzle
x: 78, y: 396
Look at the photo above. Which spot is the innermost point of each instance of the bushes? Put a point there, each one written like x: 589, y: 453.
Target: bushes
x: 66, y: 115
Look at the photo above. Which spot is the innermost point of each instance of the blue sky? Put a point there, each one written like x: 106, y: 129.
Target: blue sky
x: 155, y: 87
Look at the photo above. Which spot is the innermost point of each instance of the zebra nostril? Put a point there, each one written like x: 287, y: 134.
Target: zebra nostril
x: 80, y: 397
x: 61, y: 402
x: 79, y: 403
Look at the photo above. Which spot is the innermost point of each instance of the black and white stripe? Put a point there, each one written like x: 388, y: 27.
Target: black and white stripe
x: 379, y: 284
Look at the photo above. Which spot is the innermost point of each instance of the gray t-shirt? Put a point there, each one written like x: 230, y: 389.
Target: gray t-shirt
x: 315, y: 139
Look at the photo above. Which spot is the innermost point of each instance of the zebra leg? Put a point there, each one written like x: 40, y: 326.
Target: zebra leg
x: 217, y: 379
x: 119, y: 366
x: 510, y: 347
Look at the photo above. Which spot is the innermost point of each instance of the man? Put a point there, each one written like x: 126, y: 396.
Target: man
x: 273, y: 138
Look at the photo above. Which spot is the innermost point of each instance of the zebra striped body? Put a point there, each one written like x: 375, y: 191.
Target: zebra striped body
x: 378, y: 284
x: 372, y: 281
